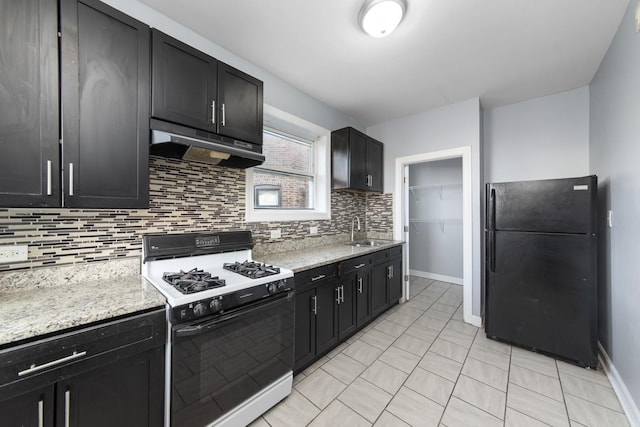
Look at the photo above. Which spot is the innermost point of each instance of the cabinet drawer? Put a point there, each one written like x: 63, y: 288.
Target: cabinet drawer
x: 350, y: 265
x: 395, y: 252
x: 387, y: 254
x: 315, y: 276
x: 71, y: 350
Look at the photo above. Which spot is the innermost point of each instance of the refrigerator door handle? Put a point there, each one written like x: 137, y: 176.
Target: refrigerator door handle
x: 492, y: 251
x: 492, y: 209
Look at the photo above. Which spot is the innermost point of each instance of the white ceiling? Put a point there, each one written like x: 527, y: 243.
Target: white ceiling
x: 502, y: 51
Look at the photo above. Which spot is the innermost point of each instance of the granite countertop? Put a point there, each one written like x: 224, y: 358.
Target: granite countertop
x: 29, y: 313
x: 304, y: 259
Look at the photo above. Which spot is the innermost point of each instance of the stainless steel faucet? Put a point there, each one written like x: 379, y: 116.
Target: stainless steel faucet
x: 355, y: 218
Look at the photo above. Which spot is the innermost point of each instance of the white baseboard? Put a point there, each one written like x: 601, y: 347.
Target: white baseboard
x: 434, y: 276
x: 474, y: 320
x: 626, y: 401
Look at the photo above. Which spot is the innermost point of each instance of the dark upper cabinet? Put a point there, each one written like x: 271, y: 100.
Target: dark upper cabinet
x: 29, y: 147
x: 193, y: 89
x: 184, y: 84
x: 105, y: 100
x: 104, y: 74
x: 241, y: 103
x: 356, y: 161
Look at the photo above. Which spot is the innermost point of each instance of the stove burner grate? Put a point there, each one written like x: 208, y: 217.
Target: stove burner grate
x: 251, y: 269
x: 194, y: 280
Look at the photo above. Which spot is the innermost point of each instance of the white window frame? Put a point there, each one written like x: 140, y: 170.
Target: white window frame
x: 287, y: 123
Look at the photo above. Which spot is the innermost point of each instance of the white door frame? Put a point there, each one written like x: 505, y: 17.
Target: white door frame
x: 399, y: 206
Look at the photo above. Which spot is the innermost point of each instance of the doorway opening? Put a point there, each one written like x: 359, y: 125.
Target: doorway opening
x: 403, y: 224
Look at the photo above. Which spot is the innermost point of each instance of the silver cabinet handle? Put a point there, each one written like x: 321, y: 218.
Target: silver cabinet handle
x: 49, y: 189
x: 213, y: 112
x: 37, y: 368
x: 342, y: 293
x: 322, y: 276
x: 41, y: 413
x: 338, y: 294
x: 315, y: 304
x: 360, y: 265
x: 389, y: 272
x: 67, y: 408
x: 71, y: 179
x: 360, y: 284
x: 223, y: 116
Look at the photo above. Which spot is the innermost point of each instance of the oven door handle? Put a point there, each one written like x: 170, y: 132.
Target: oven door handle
x: 186, y: 331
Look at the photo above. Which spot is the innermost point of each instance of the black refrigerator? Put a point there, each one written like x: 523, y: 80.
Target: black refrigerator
x: 541, y: 266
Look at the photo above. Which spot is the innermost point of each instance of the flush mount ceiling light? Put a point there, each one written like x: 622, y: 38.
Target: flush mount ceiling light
x: 379, y: 18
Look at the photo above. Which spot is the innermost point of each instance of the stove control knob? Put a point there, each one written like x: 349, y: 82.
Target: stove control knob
x: 273, y: 288
x: 215, y: 305
x: 199, y: 309
x: 282, y: 284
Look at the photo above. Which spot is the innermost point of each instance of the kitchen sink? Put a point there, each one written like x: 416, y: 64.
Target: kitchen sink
x: 365, y: 243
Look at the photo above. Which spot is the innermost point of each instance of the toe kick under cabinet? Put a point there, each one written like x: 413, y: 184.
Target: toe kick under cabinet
x: 336, y: 300
x: 111, y: 374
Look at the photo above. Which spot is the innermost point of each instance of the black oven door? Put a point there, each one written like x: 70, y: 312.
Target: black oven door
x: 220, y: 362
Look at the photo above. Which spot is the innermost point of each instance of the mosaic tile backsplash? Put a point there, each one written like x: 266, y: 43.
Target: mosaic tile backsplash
x: 184, y: 196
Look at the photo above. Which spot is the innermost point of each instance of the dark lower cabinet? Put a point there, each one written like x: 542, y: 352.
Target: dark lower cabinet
x: 394, y: 275
x: 128, y: 393
x: 305, y: 327
x: 379, y: 289
x: 362, y: 283
x: 102, y: 376
x: 326, y: 317
x: 29, y: 147
x: 346, y: 308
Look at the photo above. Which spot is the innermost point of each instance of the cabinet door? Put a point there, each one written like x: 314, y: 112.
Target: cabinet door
x: 29, y: 130
x: 326, y: 317
x: 125, y: 393
x: 379, y: 290
x: 184, y: 86
x: 32, y: 409
x: 240, y: 102
x: 394, y: 273
x: 362, y: 283
x: 374, y: 164
x: 305, y: 323
x: 357, y: 160
x: 346, y: 308
x: 105, y: 100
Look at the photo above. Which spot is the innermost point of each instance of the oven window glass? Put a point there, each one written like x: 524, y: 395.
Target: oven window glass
x: 219, y: 368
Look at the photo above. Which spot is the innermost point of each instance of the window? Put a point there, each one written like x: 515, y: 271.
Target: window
x: 292, y: 183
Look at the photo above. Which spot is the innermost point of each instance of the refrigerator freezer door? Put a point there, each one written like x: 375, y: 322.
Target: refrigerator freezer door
x: 549, y: 206
x: 541, y: 293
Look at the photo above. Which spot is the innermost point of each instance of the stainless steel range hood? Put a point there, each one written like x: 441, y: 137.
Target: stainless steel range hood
x: 180, y: 142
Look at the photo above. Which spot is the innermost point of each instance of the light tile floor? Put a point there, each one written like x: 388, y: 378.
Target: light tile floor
x: 419, y: 364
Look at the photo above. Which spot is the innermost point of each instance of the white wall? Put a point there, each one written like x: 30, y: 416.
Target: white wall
x: 615, y: 158
x: 277, y: 93
x: 456, y: 125
x: 542, y: 138
x: 435, y: 212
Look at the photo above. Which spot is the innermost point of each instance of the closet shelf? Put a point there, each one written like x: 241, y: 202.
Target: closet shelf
x: 439, y: 187
x: 440, y: 221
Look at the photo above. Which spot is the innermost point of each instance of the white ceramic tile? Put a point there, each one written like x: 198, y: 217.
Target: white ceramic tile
x: 482, y: 340
x: 465, y: 328
x: 485, y: 373
x: 596, y: 376
x: 344, y: 368
x: 320, y: 388
x: 590, y: 414
x: 400, y: 359
x: 494, y: 358
x: 535, y: 381
x: 412, y: 345
x: 410, y: 311
x: 587, y: 390
x: 435, y: 314
x: 384, y: 376
x: 456, y: 337
x: 449, y: 350
x: 422, y: 333
x: 390, y: 328
x: 534, y: 361
x: 362, y: 352
x: 430, y: 323
x: 441, y: 365
x: 537, y: 406
x: 480, y: 395
x: 514, y: 418
x: 430, y: 385
x: 377, y: 339
x: 365, y: 398
x: 445, y: 308
x: 461, y: 414
x: 333, y: 353
x: 294, y: 411
x: 298, y: 377
x: 387, y: 419
x: 401, y: 319
x: 260, y: 422
x: 316, y: 365
x: 415, y: 409
x: 339, y: 415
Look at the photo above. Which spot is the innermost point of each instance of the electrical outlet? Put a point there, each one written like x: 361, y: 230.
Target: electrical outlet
x: 276, y: 234
x: 313, y: 230
x: 14, y: 253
